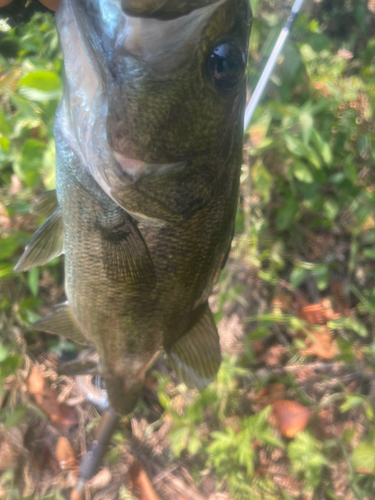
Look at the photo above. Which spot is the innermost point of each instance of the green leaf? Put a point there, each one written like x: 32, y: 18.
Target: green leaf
x: 295, y: 146
x: 331, y: 209
x: 287, y: 213
x: 352, y: 401
x: 6, y: 270
x: 164, y: 399
x: 7, y: 247
x: 33, y: 280
x: 4, y: 353
x: 178, y: 438
x: 350, y: 324
x: 322, y: 147
x: 302, y: 172
x: 40, y: 86
x: 306, y: 122
x: 369, y: 253
x: 15, y: 418
x: 298, y: 276
x: 363, y: 458
x: 298, y: 148
x: 194, y: 444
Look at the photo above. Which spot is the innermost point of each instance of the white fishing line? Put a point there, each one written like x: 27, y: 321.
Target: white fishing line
x: 265, y: 76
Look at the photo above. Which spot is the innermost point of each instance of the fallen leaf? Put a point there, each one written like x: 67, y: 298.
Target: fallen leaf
x: 291, y: 417
x: 328, y: 310
x: 46, y: 399
x: 313, y: 314
x: 139, y: 479
x: 320, y: 344
x: 271, y: 393
x: 65, y: 455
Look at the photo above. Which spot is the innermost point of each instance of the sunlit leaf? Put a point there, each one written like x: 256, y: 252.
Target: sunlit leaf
x: 40, y: 86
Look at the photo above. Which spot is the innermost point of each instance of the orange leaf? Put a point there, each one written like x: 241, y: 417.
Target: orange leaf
x: 291, y: 417
x: 46, y: 398
x: 140, y: 480
x: 65, y: 455
x: 313, y: 314
x: 320, y: 344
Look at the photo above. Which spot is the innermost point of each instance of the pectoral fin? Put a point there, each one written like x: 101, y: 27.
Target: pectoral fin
x: 145, y: 207
x: 45, y: 244
x: 126, y: 256
x: 45, y: 204
x: 196, y: 356
x: 61, y: 322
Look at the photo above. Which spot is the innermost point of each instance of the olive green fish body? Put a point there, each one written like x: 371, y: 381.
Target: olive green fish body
x: 148, y: 157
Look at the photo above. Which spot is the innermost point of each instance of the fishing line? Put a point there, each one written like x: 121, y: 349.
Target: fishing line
x: 266, y: 74
x: 282, y: 9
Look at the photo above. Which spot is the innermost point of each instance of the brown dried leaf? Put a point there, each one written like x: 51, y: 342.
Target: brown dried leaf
x: 291, y: 417
x: 139, y: 479
x: 271, y: 393
x: 46, y: 399
x: 328, y: 310
x: 320, y: 344
x: 65, y: 455
x: 313, y: 314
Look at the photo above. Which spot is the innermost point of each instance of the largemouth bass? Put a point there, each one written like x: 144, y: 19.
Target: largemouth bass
x: 148, y: 155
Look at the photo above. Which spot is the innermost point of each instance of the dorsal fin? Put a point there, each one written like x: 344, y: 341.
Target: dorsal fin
x: 45, y: 204
x: 196, y: 356
x: 45, y: 244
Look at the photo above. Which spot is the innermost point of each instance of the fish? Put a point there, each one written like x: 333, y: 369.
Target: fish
x: 149, y: 136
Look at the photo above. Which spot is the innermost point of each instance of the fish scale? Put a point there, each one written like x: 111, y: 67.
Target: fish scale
x: 148, y: 157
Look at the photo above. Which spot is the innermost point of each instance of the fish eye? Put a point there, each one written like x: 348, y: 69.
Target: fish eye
x: 226, y: 66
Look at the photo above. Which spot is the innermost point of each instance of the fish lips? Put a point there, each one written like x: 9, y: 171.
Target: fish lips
x: 162, y: 9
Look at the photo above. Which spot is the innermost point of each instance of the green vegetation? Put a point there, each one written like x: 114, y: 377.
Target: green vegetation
x: 295, y: 303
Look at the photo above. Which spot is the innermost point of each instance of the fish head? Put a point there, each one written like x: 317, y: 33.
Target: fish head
x: 152, y: 85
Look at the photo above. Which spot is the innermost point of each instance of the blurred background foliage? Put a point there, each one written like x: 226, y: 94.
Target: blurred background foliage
x: 300, y: 280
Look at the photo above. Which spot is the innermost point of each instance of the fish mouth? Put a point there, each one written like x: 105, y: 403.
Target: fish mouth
x: 164, y: 45
x: 137, y: 169
x: 162, y: 9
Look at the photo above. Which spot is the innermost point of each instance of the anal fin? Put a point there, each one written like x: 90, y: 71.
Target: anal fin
x: 196, y: 356
x: 45, y: 204
x: 61, y: 322
x: 45, y: 244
